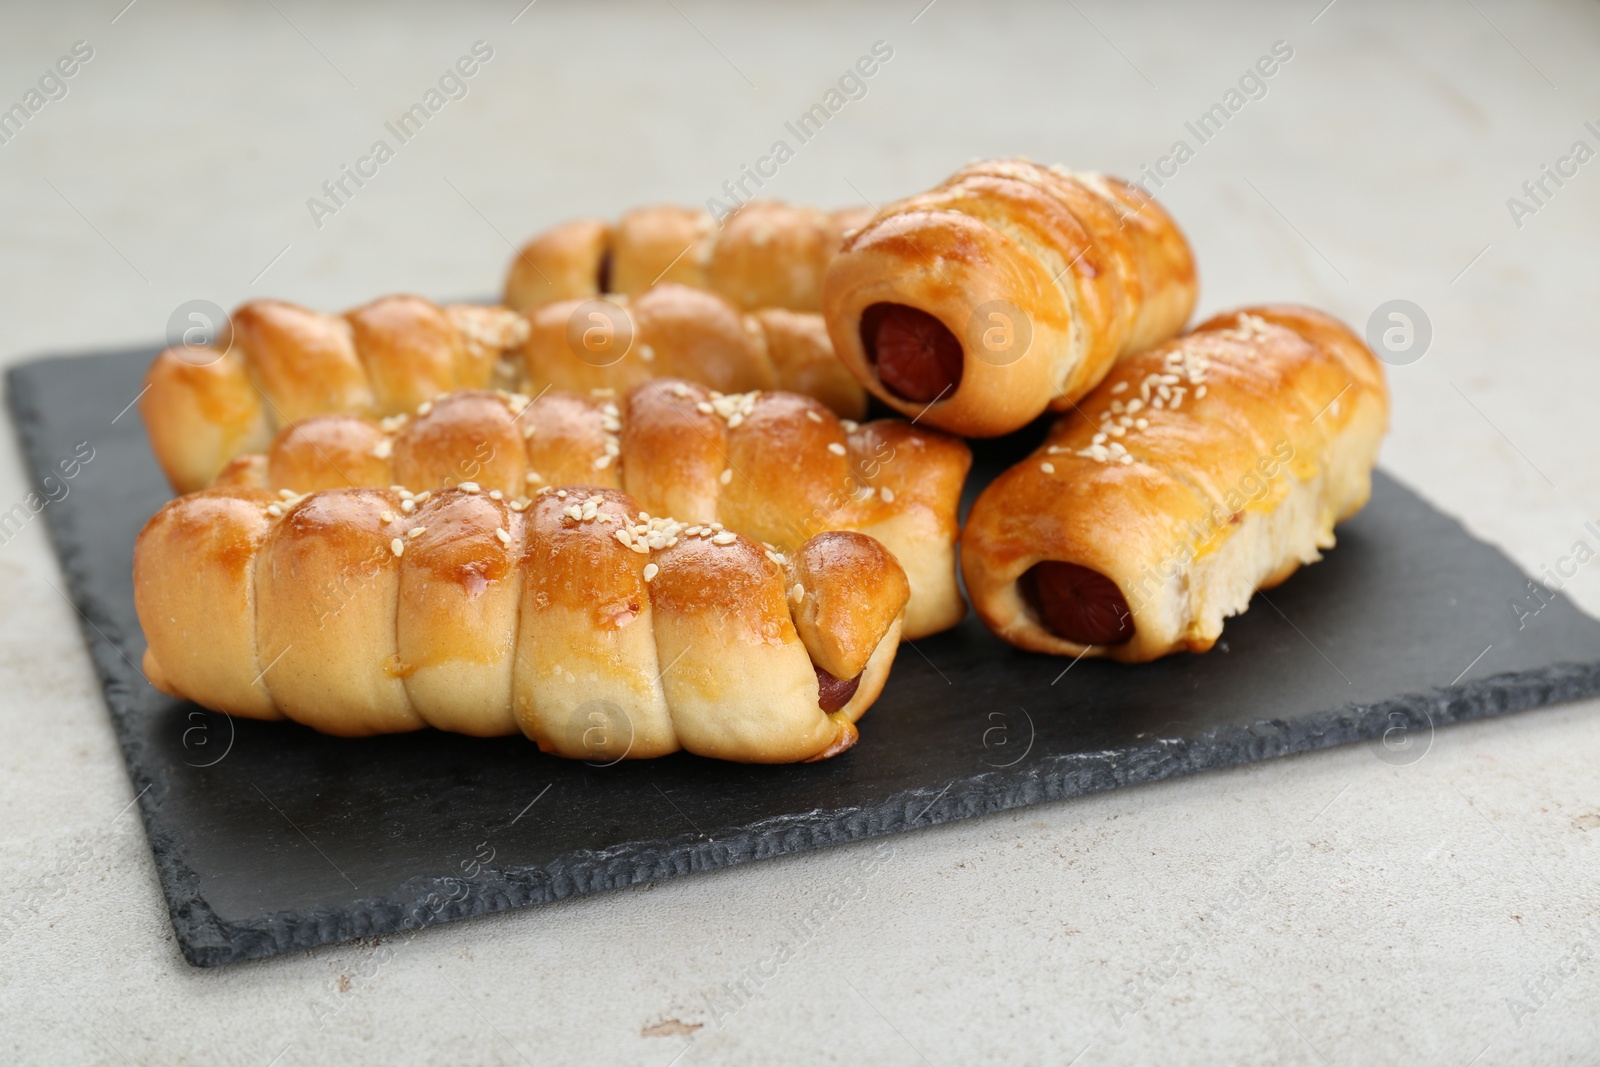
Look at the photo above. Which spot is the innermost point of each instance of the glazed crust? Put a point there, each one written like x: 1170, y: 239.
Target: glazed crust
x: 678, y: 331
x: 282, y: 363
x: 572, y: 618
x: 1044, y: 277
x: 778, y: 467
x: 764, y: 255
x: 1198, y: 472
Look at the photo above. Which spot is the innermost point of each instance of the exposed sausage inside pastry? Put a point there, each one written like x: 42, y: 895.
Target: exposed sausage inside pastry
x: 576, y: 619
x: 764, y: 255
x: 1198, y: 472
x: 1010, y: 288
x: 778, y: 467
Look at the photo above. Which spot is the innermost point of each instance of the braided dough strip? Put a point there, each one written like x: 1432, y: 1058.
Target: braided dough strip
x: 283, y: 363
x: 575, y: 619
x: 765, y: 255
x: 778, y: 467
x: 1198, y: 472
x: 1010, y: 288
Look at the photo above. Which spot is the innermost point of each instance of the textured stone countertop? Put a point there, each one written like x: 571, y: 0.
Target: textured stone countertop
x: 1319, y: 909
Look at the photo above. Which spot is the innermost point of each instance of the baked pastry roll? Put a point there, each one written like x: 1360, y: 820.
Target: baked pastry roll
x: 778, y: 467
x: 765, y: 255
x: 1010, y: 288
x: 675, y: 330
x: 1198, y: 472
x: 284, y: 362
x: 576, y: 619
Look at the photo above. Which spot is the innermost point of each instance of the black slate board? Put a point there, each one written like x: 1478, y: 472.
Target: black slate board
x: 270, y: 837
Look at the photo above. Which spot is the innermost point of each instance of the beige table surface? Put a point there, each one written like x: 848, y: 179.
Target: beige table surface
x: 1442, y: 912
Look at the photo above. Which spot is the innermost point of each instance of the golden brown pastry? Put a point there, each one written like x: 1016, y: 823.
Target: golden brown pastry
x: 678, y: 331
x: 1010, y: 288
x: 285, y: 363
x: 765, y: 255
x: 574, y: 618
x: 778, y: 467
x: 1198, y: 472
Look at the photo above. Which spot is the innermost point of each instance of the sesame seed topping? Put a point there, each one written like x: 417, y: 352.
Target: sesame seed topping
x: 726, y: 476
x: 836, y: 448
x: 650, y: 571
x: 416, y: 531
x: 1048, y: 467
x: 274, y: 510
x: 887, y: 494
x: 624, y: 535
x: 422, y: 409
x: 726, y: 537
x: 602, y: 462
x: 532, y: 478
x: 408, y: 506
x: 1120, y: 387
x: 505, y: 538
x: 704, y: 407
x: 383, y: 449
x: 798, y: 592
x: 850, y: 425
x: 385, y: 516
x: 397, y: 546
x: 423, y: 496
x: 528, y: 431
x: 495, y: 494
x: 285, y: 494
x: 470, y: 487
x: 813, y: 416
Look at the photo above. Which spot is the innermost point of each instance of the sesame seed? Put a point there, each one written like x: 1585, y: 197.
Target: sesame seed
x: 813, y: 416
x: 528, y: 431
x: 602, y: 462
x: 887, y: 494
x: 470, y: 487
x: 704, y: 408
x: 836, y: 448
x: 850, y: 425
x: 1120, y: 387
x: 385, y: 516
x: 1141, y: 424
x: 383, y: 449
x: 416, y: 531
x: 495, y: 494
x: 1199, y: 392
x: 532, y: 478
x: 1048, y: 467
x: 726, y: 537
x: 274, y: 510
x: 408, y: 506
x: 647, y: 353
x: 397, y: 546
x: 505, y: 538
x: 624, y: 535
x: 650, y: 571
x: 423, y: 496
x: 798, y: 592
x: 285, y: 494
x: 726, y: 476
x: 422, y: 409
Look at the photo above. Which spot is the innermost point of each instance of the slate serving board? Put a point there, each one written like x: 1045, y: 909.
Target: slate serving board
x: 269, y: 837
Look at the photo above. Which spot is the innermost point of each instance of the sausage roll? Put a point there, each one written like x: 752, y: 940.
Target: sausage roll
x: 283, y: 363
x: 596, y: 630
x: 1010, y: 288
x: 1198, y: 472
x: 778, y: 467
x: 765, y: 255
x: 678, y: 331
